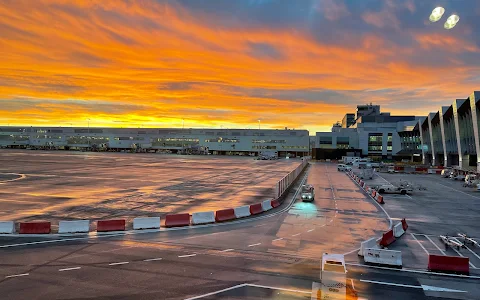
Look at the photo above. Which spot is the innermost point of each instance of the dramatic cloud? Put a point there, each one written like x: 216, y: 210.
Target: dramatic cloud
x: 301, y: 64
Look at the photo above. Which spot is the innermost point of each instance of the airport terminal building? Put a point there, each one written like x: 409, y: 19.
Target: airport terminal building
x: 214, y: 141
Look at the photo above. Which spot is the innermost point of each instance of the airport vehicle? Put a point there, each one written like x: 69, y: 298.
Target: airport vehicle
x: 403, y: 189
x: 470, y: 177
x: 446, y: 173
x: 362, y: 162
x: 342, y: 167
x: 457, y: 175
x: 366, y: 173
x: 452, y: 242
x: 349, y: 159
x: 391, y: 169
x: 308, y: 193
x: 467, y: 239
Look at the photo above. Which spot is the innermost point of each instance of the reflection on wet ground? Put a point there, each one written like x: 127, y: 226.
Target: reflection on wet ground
x: 75, y: 185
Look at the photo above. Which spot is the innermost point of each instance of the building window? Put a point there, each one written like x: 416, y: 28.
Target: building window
x: 264, y: 147
x: 375, y: 142
x: 325, y: 140
x: 269, y: 141
x: 222, y: 140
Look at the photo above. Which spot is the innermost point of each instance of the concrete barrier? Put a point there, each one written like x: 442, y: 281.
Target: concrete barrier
x: 444, y: 263
x: 177, y: 220
x: 383, y: 257
x: 146, y: 223
x: 275, y: 203
x: 267, y: 205
x: 7, y: 227
x: 387, y: 238
x: 398, y: 230
x: 74, y: 226
x: 110, y: 225
x: 224, y: 215
x: 256, y: 209
x: 370, y: 243
x: 35, y: 228
x: 404, y: 224
x: 242, y: 211
x: 203, y: 217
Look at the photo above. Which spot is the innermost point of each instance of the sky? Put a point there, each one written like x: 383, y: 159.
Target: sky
x: 299, y: 64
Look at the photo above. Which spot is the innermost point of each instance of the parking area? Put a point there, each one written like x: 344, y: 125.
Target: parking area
x: 58, y: 185
x: 437, y: 206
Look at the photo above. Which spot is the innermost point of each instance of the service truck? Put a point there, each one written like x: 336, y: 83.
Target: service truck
x: 394, y: 189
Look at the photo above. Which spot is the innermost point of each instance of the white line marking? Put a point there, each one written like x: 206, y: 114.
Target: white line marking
x: 187, y: 255
x: 414, y: 271
x: 409, y: 196
x: 419, y: 243
x: 277, y: 288
x: 17, y: 275
x: 423, y: 287
x: 354, y: 250
x: 118, y: 263
x: 217, y: 292
x: 260, y: 225
x: 279, y: 239
x: 310, y: 230
x: 428, y: 238
x: 227, y: 250
x: 69, y: 269
x: 457, y: 190
x: 153, y: 259
x: 460, y: 254
x: 353, y: 285
x: 472, y: 252
x: 296, y: 234
x: 254, y: 244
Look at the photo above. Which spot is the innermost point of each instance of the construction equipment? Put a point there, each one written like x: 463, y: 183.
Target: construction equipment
x: 467, y: 239
x: 452, y: 242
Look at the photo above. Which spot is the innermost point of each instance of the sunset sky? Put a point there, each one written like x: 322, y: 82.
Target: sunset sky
x: 296, y: 63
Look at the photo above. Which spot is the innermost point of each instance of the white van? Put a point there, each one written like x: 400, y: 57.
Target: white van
x: 343, y: 168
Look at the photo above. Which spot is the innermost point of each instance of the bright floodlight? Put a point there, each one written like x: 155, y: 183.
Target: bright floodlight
x: 437, y: 14
x: 451, y: 21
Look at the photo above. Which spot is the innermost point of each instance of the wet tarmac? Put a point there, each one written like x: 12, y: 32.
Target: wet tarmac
x: 57, y: 185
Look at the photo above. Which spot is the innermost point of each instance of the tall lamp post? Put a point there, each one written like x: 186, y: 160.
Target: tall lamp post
x: 258, y: 124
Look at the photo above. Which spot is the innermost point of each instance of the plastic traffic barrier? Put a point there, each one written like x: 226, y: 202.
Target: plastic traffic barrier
x: 448, y: 263
x: 35, y: 227
x: 74, y: 226
x: 387, y: 238
x: 110, y: 225
x: 146, y: 223
x: 275, y: 203
x: 374, y: 193
x: 256, y: 209
x: 177, y: 220
x: 7, y: 227
x: 383, y: 257
x: 370, y: 243
x: 398, y: 230
x: 404, y: 224
x: 204, y: 217
x: 379, y: 199
x: 224, y: 215
x: 267, y: 205
x: 242, y: 211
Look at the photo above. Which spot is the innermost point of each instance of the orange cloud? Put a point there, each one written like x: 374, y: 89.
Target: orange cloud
x: 155, y: 64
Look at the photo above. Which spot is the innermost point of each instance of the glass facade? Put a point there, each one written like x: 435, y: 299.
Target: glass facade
x: 375, y: 142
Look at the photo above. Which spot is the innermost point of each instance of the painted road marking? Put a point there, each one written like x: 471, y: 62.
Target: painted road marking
x: 296, y: 234
x: 279, y: 239
x: 457, y: 190
x: 153, y: 259
x: 118, y: 263
x: 17, y: 275
x: 227, y: 250
x: 69, y: 269
x: 428, y: 238
x: 413, y: 236
x: 460, y: 254
x: 423, y: 287
x: 252, y: 245
x: 187, y: 255
x: 310, y: 230
x: 409, y: 196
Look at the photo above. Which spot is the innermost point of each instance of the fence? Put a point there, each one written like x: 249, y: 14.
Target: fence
x: 283, y: 184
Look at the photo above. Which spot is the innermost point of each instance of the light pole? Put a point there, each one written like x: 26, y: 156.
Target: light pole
x: 258, y: 124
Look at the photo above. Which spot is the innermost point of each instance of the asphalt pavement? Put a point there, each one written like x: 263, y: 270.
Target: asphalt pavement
x: 273, y: 257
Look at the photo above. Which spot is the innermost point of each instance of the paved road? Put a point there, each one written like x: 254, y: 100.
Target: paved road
x: 59, y: 185
x: 276, y: 257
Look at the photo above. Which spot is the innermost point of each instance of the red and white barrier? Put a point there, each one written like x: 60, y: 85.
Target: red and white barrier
x: 398, y: 230
x: 146, y: 223
x: 387, y: 238
x: 35, y: 228
x: 203, y: 217
x: 74, y: 226
x: 275, y: 203
x: 242, y: 211
x: 379, y: 199
x: 383, y: 257
x: 177, y: 220
x: 224, y: 215
x: 256, y: 209
x: 404, y: 224
x: 110, y: 225
x: 444, y: 263
x: 267, y: 205
x: 7, y: 227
